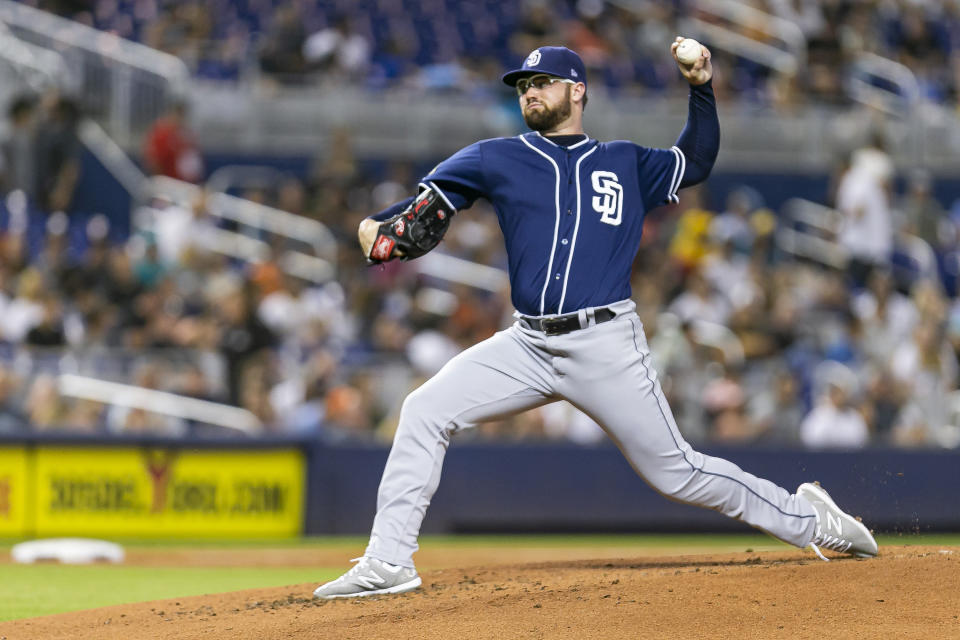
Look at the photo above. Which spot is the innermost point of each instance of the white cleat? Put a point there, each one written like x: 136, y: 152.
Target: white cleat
x: 369, y: 577
x: 836, y: 530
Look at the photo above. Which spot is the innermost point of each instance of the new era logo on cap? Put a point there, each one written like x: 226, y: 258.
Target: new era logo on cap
x: 555, y: 61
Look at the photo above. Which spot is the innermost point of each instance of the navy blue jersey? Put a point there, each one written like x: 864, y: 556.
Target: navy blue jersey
x: 571, y: 217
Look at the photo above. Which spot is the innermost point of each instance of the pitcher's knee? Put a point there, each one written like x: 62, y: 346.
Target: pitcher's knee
x: 679, y: 474
x: 420, y: 413
x: 694, y: 486
x: 678, y: 482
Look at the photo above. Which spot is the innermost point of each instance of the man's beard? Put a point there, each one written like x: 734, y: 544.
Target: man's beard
x: 547, y: 119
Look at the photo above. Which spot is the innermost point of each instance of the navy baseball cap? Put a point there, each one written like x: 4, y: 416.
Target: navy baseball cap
x: 555, y: 61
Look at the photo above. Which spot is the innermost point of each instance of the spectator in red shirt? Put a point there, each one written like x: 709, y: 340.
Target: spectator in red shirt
x: 170, y: 149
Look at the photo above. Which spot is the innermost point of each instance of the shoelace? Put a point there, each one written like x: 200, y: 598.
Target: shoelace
x: 362, y: 563
x: 830, y: 542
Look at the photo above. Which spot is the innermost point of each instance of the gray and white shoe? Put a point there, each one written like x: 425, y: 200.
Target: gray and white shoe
x: 836, y: 530
x: 369, y: 577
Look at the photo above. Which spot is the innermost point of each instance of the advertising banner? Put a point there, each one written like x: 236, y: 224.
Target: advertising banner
x: 160, y: 492
x: 13, y: 491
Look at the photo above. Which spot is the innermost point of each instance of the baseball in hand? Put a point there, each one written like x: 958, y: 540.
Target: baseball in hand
x: 688, y: 51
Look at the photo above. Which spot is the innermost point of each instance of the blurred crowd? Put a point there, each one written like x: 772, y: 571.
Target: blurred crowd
x: 754, y: 341
x: 851, y: 342
x: 460, y: 45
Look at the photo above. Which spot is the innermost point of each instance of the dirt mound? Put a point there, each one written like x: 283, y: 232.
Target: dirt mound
x: 908, y: 592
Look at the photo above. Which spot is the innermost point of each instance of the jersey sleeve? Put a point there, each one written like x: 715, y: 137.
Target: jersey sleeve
x: 661, y: 171
x: 459, y: 178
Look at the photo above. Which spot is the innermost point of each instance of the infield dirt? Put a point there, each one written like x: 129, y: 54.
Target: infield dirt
x: 908, y: 592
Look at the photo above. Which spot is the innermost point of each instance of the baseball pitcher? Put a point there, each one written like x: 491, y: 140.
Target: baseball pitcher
x: 571, y: 209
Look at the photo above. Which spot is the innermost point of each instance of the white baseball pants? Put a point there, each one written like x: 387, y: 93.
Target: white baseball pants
x: 605, y: 371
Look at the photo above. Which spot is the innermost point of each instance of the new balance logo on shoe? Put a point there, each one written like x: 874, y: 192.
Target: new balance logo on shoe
x: 371, y: 581
x: 834, y: 524
x: 836, y: 530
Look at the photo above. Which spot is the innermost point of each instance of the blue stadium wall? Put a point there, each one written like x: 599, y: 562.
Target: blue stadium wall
x: 486, y: 488
x: 569, y: 488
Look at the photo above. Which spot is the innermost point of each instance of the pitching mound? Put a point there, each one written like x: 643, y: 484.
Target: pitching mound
x: 908, y: 592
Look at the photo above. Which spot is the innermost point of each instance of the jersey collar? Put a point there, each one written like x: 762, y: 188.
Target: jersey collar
x: 545, y: 144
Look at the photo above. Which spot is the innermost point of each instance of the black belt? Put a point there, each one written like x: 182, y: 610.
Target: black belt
x: 566, y: 323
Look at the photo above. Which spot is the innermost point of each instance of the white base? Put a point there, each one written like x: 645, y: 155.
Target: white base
x: 67, y: 551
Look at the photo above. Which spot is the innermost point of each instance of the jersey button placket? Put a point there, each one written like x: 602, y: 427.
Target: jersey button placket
x: 561, y: 253
x: 566, y: 229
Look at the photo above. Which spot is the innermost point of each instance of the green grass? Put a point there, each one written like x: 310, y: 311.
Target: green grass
x: 36, y: 590
x: 327, y: 542
x: 657, y: 541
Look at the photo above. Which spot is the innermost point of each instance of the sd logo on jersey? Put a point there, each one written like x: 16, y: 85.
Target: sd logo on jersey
x: 609, y: 202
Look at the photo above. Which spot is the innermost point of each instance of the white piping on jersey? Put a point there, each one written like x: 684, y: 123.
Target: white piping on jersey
x: 585, y: 140
x: 556, y: 226
x: 576, y: 229
x: 431, y: 185
x: 678, y: 170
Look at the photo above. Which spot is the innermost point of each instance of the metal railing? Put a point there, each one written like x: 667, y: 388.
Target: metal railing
x: 449, y: 268
x: 113, y: 157
x: 124, y: 84
x: 28, y: 67
x: 103, y: 374
x: 809, y: 230
x: 709, y: 23
x: 221, y: 241
x: 317, y: 265
x: 159, y: 402
x: 883, y: 84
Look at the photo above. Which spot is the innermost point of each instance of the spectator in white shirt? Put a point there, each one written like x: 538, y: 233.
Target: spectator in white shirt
x: 863, y: 199
x: 835, y: 422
